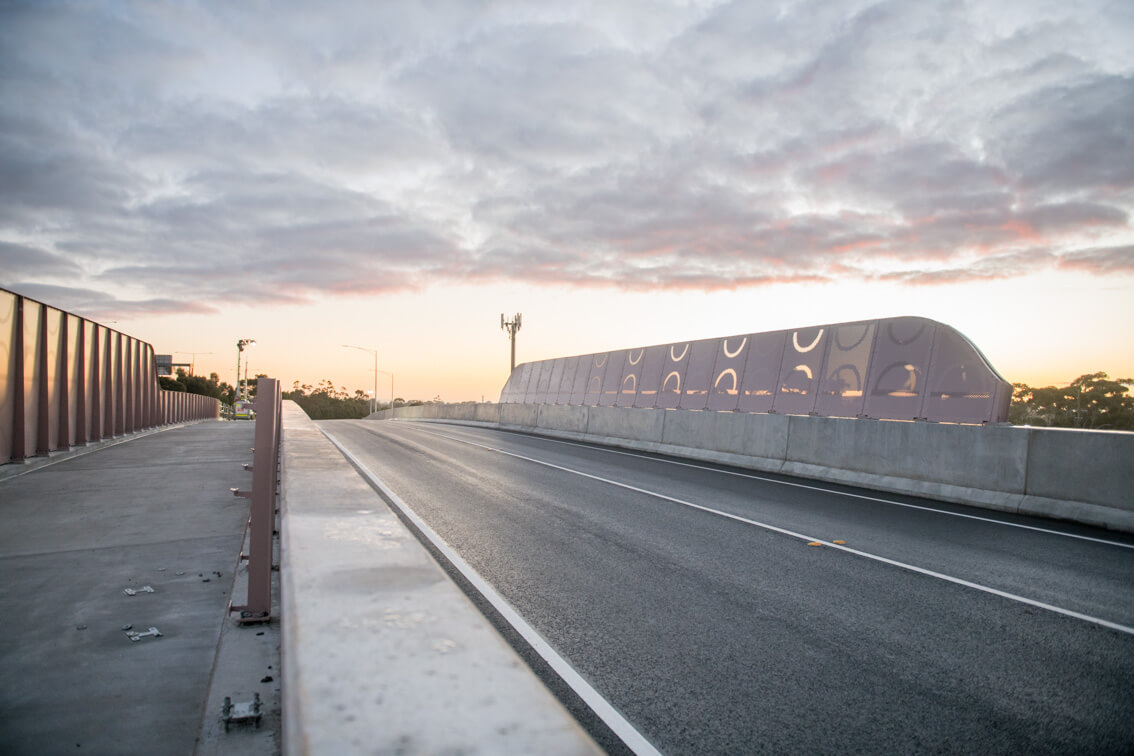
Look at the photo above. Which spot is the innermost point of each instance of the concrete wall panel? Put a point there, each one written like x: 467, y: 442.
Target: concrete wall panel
x: 633, y: 424
x: 991, y: 457
x: 520, y: 414
x: 762, y: 436
x: 1092, y: 466
x: 561, y: 417
x: 487, y: 413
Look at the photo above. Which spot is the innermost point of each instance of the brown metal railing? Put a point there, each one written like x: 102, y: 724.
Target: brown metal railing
x: 67, y: 381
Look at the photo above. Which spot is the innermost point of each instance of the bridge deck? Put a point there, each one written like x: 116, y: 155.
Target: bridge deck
x: 154, y: 512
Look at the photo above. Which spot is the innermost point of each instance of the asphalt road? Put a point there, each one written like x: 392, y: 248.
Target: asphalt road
x: 689, y: 597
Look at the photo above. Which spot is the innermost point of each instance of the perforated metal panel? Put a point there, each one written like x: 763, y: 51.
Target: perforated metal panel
x: 892, y: 369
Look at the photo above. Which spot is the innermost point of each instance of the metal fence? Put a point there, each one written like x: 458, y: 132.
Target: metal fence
x: 67, y: 381
x: 891, y: 369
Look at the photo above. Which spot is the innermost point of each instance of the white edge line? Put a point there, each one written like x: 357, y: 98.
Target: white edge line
x: 629, y: 735
x: 809, y: 539
x: 753, y: 476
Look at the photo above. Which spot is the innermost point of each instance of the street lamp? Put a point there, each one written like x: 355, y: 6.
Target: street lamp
x: 373, y: 406
x: 239, y: 352
x: 383, y: 372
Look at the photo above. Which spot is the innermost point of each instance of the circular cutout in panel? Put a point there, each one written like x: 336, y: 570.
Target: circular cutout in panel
x: 728, y: 373
x: 847, y: 330
x: 675, y: 358
x: 843, y: 379
x: 636, y: 360
x: 906, y: 334
x: 600, y: 360
x: 739, y: 349
x: 898, y: 379
x: 633, y: 381
x: 798, y: 381
x: 676, y: 383
x: 809, y: 347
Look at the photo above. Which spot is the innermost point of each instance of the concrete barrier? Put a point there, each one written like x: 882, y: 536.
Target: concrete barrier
x: 381, y: 652
x: 1081, y: 476
x: 519, y: 415
x: 561, y: 417
x: 643, y: 426
x: 969, y: 464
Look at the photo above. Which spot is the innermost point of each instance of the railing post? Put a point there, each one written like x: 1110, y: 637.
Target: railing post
x: 43, y: 408
x: 261, y: 522
x: 19, y: 379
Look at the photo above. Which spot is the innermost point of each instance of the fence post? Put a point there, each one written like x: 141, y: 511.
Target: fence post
x: 262, y: 519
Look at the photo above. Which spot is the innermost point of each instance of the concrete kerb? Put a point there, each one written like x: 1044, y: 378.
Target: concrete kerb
x: 1079, y: 476
x: 382, y: 653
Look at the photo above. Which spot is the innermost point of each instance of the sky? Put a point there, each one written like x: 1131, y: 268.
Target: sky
x: 397, y: 175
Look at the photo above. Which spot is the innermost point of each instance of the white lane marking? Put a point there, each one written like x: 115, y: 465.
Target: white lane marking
x: 633, y: 739
x: 848, y: 494
x: 810, y: 539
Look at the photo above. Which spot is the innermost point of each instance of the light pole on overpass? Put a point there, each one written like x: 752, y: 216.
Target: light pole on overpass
x: 239, y: 353
x: 374, y: 402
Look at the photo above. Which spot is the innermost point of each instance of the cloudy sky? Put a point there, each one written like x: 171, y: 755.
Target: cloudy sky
x: 396, y: 175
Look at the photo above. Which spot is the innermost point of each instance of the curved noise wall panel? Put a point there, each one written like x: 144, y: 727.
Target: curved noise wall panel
x: 904, y: 368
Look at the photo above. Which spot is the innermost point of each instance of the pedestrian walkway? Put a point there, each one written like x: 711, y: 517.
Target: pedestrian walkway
x: 155, y: 517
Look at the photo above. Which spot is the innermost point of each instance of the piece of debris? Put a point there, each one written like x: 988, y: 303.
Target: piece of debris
x: 136, y: 636
x: 127, y: 627
x: 247, y: 711
x: 205, y: 580
x: 136, y: 591
x: 180, y: 572
x: 266, y: 678
x: 80, y: 627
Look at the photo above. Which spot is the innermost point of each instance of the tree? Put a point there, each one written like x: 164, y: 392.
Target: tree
x: 1092, y: 401
x: 196, y: 384
x: 327, y: 402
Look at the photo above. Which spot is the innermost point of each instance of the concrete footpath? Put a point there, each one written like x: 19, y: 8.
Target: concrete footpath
x: 153, y: 515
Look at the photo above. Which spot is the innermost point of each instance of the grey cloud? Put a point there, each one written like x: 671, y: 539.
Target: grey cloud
x: 990, y: 268
x: 1101, y: 260
x: 1071, y: 137
x: 20, y: 262
x: 216, y: 153
x: 95, y: 304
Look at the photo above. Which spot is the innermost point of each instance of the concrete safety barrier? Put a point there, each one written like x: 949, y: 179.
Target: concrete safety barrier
x: 381, y: 651
x: 1076, y: 475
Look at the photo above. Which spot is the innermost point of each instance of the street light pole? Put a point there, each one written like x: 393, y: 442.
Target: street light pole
x: 374, y: 404
x: 239, y: 353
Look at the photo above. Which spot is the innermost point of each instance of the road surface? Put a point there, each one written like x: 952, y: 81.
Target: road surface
x: 725, y: 611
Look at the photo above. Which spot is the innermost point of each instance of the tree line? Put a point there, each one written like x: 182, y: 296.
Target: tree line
x: 198, y: 384
x: 325, y: 402
x: 1094, y: 401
